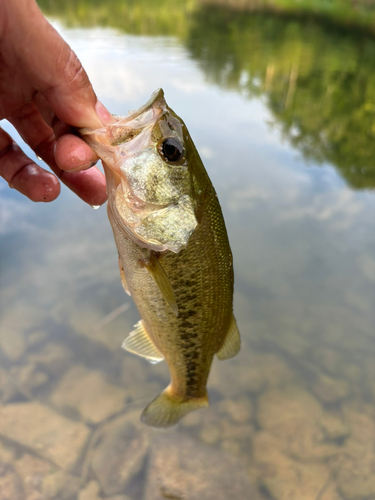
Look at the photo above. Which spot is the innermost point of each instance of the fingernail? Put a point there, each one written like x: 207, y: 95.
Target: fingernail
x: 80, y: 168
x: 103, y: 114
x: 89, y: 164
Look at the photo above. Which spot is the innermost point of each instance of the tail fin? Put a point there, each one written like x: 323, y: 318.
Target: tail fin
x: 166, y: 409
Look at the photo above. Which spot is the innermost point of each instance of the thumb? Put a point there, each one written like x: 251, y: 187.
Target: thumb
x: 52, y: 67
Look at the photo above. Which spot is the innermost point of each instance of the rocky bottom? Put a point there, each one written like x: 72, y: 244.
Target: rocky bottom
x: 291, y: 418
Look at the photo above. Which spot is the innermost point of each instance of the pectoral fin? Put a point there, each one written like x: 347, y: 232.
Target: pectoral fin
x: 122, y: 276
x: 232, y: 342
x: 156, y: 270
x: 140, y: 343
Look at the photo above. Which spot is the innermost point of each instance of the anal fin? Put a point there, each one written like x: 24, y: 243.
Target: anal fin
x: 156, y: 270
x: 140, y: 343
x: 232, y: 342
x: 122, y: 276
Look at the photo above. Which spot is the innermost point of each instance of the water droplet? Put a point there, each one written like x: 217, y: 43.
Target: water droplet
x: 39, y: 158
x: 95, y: 207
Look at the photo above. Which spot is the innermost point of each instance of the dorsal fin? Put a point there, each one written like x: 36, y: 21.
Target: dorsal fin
x: 140, y: 343
x: 156, y: 270
x: 232, y: 342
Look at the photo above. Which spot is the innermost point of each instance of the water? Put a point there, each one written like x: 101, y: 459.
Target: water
x: 282, y: 111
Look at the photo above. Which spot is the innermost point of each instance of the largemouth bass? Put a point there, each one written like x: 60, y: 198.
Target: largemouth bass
x: 174, y: 255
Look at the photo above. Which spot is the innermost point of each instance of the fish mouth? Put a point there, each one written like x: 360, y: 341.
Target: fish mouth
x: 156, y: 101
x: 125, y: 128
x: 127, y: 134
x: 117, y: 144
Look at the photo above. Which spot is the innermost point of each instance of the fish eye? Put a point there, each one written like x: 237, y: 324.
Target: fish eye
x: 172, y: 149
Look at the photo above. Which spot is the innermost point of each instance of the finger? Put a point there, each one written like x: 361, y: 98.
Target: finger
x: 49, y: 64
x: 88, y: 185
x: 24, y: 175
x: 45, y: 110
x: 40, y: 137
x: 72, y: 154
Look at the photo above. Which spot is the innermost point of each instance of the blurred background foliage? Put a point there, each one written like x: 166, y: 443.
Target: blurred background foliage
x: 312, y: 61
x: 137, y: 17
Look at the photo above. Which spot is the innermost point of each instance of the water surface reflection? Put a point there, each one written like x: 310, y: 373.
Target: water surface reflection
x: 292, y: 416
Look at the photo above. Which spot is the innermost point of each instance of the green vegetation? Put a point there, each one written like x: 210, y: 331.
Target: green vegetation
x: 316, y: 75
x: 347, y: 13
x: 318, y: 81
x: 138, y: 17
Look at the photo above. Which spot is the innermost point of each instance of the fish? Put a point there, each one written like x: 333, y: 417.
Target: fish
x: 174, y: 255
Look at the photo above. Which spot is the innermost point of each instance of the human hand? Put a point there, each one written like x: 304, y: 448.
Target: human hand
x: 44, y: 93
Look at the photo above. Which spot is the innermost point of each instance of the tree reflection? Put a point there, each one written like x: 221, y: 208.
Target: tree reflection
x: 138, y: 17
x: 317, y: 79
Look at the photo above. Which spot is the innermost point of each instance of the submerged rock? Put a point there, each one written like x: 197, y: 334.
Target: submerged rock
x: 53, y: 359
x: 90, y: 491
x: 294, y: 417
x: 7, y: 453
x: 14, y: 324
x: 359, y: 486
x: 356, y: 464
x: 37, y: 337
x: 33, y: 470
x: 8, y: 389
x: 120, y: 453
x: 334, y: 426
x: 330, y: 492
x: 28, y: 377
x: 328, y: 359
x: 119, y: 497
x: 330, y: 390
x: 89, y: 394
x: 239, y: 410
x: 251, y: 373
x: 60, y: 486
x: 284, y: 478
x: 47, y: 433
x: 11, y: 487
x: 281, y: 407
x: 110, y: 335
x: 226, y: 424
x: 13, y: 343
x: 180, y: 467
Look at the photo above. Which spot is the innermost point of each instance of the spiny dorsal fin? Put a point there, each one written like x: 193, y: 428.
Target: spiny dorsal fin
x: 232, y: 342
x: 156, y: 270
x: 140, y: 343
x: 122, y: 276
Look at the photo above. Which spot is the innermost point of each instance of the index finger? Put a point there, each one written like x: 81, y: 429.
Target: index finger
x: 89, y: 185
x: 72, y: 154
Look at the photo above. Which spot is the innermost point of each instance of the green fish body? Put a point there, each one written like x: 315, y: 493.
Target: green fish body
x: 174, y: 255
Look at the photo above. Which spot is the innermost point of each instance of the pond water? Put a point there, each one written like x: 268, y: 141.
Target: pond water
x: 282, y: 112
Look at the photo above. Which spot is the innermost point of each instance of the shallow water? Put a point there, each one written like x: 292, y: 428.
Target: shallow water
x: 282, y: 112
